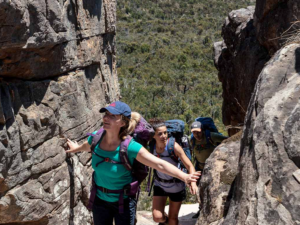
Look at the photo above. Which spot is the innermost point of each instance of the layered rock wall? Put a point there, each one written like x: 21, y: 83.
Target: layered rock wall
x: 57, y: 68
x: 265, y: 190
x: 266, y: 187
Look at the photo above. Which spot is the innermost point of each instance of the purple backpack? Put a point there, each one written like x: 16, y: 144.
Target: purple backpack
x: 142, y: 134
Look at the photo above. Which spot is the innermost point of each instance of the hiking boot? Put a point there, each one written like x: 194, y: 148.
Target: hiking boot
x: 196, y: 215
x: 164, y: 223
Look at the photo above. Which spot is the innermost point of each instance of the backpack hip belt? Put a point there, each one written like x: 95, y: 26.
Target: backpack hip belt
x: 173, y: 180
x: 131, y: 189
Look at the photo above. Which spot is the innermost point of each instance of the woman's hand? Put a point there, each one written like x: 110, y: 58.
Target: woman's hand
x: 193, y: 177
x: 75, y: 147
x: 193, y: 188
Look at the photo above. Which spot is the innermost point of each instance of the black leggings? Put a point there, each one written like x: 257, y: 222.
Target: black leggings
x: 104, y: 212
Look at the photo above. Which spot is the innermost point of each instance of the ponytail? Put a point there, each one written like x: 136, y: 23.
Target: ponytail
x: 130, y: 125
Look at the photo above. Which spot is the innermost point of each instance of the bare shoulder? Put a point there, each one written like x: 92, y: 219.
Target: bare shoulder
x: 177, y: 148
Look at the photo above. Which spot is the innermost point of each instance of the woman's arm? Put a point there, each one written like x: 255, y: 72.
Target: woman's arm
x: 188, y: 165
x: 184, y: 159
x: 75, y: 147
x: 163, y: 166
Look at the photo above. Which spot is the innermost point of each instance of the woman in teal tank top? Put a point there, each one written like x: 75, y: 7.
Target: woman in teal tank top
x: 118, y: 122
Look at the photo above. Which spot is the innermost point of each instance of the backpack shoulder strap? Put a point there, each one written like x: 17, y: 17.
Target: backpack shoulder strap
x: 193, y: 142
x: 170, y: 146
x: 151, y: 146
x: 124, y: 153
x: 208, y: 138
x: 96, y: 138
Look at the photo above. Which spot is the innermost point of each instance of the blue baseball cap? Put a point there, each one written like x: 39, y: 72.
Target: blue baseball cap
x: 118, y: 108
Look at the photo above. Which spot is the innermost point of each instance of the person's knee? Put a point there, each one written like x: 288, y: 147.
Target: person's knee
x: 158, y: 217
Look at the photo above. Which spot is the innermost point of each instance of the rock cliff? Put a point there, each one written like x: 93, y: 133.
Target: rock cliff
x: 266, y: 189
x: 239, y: 59
x: 57, y: 68
x: 259, y: 71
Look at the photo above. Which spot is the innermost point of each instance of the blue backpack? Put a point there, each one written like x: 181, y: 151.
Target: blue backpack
x: 208, y: 126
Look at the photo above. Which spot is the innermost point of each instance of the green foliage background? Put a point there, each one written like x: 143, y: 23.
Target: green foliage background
x: 165, y: 56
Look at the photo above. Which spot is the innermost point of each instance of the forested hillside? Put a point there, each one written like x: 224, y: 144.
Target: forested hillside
x: 165, y: 56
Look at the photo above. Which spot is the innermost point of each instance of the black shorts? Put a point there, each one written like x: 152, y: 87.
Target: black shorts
x: 174, y: 197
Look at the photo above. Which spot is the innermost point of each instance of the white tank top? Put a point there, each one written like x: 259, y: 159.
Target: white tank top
x: 167, y: 187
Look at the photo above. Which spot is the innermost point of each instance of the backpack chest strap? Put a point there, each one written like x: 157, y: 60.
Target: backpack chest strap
x: 108, y: 160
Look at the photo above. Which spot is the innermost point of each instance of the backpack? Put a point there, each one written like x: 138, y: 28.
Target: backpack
x: 175, y: 130
x: 142, y: 134
x: 208, y: 126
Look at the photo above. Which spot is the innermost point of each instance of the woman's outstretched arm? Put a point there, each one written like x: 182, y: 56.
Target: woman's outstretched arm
x: 188, y: 165
x: 161, y: 165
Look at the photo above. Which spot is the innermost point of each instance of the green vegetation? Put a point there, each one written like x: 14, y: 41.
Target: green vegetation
x: 165, y: 56
x: 165, y: 59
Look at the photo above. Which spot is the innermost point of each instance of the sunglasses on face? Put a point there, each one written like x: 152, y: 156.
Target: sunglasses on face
x: 109, y: 115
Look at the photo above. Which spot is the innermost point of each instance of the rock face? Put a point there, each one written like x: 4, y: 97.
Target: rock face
x: 274, y: 20
x: 219, y: 174
x: 239, y: 59
x: 265, y: 190
x: 251, y: 37
x: 266, y: 187
x: 41, y: 39
x: 57, y: 63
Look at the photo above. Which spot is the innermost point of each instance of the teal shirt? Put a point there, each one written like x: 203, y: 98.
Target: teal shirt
x: 109, y: 175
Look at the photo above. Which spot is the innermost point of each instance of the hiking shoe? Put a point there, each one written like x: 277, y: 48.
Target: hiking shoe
x: 165, y: 223
x: 196, y: 215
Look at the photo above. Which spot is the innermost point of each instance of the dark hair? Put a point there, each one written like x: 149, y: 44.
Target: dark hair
x: 158, y: 125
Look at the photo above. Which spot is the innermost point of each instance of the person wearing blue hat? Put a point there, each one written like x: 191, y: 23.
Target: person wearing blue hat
x: 118, y: 123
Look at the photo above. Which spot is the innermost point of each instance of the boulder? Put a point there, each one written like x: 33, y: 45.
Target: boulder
x: 218, y: 176
x: 266, y: 190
